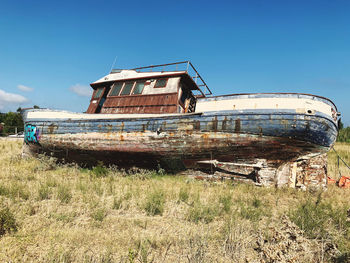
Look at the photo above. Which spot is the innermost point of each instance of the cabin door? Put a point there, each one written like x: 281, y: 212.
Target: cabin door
x: 102, y: 100
x: 98, y: 98
x: 187, y: 101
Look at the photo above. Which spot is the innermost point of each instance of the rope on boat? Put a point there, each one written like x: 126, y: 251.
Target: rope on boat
x: 339, y: 158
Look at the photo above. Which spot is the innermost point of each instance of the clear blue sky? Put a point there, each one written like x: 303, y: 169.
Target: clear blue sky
x: 51, y: 50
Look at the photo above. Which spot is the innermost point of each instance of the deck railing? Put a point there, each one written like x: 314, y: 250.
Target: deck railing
x: 180, y: 66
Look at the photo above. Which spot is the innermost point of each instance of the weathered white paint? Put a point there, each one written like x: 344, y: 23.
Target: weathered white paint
x: 293, y: 176
x: 171, y: 87
x: 301, y: 105
x: 56, y: 114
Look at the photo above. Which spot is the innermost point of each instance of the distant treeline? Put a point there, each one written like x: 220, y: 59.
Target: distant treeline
x: 10, y: 123
x: 344, y: 135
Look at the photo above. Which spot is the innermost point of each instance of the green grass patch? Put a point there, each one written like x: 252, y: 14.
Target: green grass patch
x: 8, y: 222
x: 99, y: 214
x: 184, y: 194
x: 119, y: 201
x: 15, y: 191
x: 100, y: 171
x: 155, y: 201
x: 225, y: 202
x: 318, y: 218
x: 44, y: 192
x: 64, y: 194
x: 199, y: 212
x: 252, y: 209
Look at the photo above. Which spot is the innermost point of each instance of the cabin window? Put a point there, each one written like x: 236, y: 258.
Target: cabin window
x: 98, y: 93
x: 138, y: 87
x: 127, y: 88
x: 161, y: 83
x: 116, y: 89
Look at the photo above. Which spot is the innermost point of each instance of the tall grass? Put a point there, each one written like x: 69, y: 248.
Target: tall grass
x: 63, y: 213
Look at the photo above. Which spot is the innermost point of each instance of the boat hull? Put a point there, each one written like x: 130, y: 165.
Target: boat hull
x: 277, y: 136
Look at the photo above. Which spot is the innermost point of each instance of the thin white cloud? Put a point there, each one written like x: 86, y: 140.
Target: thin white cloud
x: 10, y: 99
x: 24, y: 88
x: 81, y: 90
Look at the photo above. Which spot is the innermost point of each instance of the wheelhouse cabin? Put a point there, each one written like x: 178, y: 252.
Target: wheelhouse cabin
x: 148, y: 90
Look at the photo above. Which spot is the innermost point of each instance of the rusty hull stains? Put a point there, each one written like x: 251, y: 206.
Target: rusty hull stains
x: 191, y: 138
x: 238, y: 125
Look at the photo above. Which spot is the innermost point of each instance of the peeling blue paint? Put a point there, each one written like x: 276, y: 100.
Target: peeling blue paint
x: 318, y: 129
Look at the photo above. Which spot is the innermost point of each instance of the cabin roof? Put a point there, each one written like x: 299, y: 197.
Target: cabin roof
x: 126, y: 74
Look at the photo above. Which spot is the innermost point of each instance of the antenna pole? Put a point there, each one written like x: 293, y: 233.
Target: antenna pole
x: 115, y: 59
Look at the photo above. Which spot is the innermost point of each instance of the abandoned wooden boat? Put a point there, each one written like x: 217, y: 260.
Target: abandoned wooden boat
x: 164, y: 114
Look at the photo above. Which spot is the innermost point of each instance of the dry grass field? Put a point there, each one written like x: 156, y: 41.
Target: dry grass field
x: 61, y: 213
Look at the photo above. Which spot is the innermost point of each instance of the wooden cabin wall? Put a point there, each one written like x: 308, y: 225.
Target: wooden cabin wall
x: 159, y: 103
x: 152, y: 100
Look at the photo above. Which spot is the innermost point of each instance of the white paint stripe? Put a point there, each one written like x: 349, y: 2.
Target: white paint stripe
x: 298, y: 104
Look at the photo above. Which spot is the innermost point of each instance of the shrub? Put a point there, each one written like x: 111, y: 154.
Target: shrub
x: 201, y: 212
x: 117, y: 202
x: 252, y: 209
x: 226, y: 202
x: 3, y: 190
x: 7, y: 221
x: 140, y: 174
x: 99, y: 170
x: 44, y: 192
x: 64, y: 194
x: 18, y: 191
x: 154, y: 204
x: 183, y: 195
x: 51, y: 182
x: 99, y: 214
